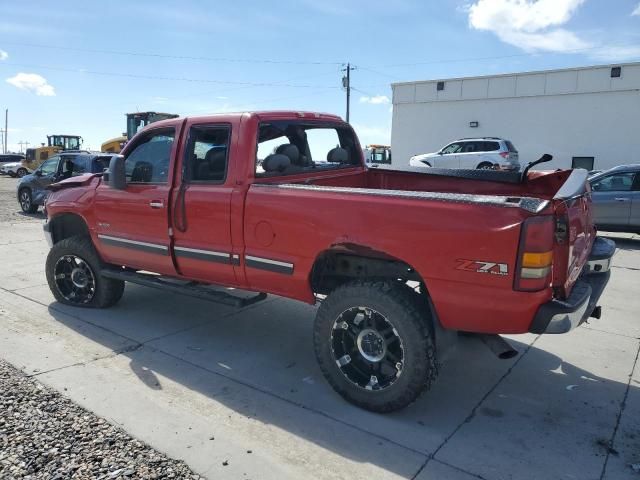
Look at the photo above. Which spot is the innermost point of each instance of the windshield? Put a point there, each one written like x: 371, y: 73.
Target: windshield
x: 289, y: 147
x: 66, y: 143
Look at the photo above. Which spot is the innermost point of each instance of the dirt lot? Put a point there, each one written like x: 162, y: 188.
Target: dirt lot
x: 238, y: 394
x: 9, y: 208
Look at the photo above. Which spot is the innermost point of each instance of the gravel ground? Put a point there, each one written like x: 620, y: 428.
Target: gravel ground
x: 9, y: 208
x: 45, y: 436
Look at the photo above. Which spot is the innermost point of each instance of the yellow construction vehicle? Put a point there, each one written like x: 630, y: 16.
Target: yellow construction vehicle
x: 55, y: 144
x: 135, y: 122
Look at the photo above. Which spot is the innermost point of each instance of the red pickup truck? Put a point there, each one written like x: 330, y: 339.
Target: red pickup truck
x: 283, y: 203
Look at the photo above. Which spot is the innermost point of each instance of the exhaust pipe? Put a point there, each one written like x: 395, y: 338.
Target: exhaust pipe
x: 498, y: 345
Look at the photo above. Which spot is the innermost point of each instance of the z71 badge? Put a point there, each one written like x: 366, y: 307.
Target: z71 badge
x: 478, y: 266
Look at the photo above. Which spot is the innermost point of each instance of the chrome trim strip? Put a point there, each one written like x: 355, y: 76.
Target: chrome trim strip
x: 530, y: 204
x: 268, y: 264
x: 269, y: 261
x: 109, y: 238
x: 203, y: 252
x: 574, y: 186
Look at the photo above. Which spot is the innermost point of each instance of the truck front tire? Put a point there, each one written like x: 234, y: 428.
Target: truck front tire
x: 73, y: 273
x: 374, y: 346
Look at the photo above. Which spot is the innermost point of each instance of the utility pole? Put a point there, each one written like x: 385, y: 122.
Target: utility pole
x: 23, y: 144
x: 346, y: 84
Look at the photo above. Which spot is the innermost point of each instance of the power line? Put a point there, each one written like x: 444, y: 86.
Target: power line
x: 156, y: 77
x: 174, y: 57
x: 496, y: 57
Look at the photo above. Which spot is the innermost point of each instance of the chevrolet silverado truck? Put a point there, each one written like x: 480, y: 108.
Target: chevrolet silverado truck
x: 283, y: 203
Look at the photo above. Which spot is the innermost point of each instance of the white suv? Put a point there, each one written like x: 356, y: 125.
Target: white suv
x: 471, y: 153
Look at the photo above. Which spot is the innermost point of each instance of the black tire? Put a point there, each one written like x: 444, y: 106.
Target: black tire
x: 397, y: 305
x: 100, y: 293
x: 21, y: 172
x: 485, y: 166
x: 26, y: 201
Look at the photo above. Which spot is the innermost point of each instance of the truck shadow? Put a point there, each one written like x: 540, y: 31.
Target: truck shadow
x: 259, y: 362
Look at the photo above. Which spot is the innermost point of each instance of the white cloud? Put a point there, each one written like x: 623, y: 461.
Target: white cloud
x: 636, y: 12
x: 529, y: 24
x: 616, y: 53
x: 375, y: 100
x: 3, y: 55
x: 34, y: 83
x: 372, y: 134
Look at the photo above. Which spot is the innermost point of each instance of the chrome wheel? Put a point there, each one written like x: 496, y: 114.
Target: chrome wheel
x: 367, y: 348
x: 25, y: 200
x: 74, y: 279
x: 21, y: 172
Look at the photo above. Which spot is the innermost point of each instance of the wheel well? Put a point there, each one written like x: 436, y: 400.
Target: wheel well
x: 67, y: 225
x: 485, y: 162
x: 336, y: 267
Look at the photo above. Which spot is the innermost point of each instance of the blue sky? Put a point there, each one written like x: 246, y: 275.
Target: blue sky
x: 76, y: 66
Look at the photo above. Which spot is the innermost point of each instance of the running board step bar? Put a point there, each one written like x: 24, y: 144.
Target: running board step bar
x: 192, y: 289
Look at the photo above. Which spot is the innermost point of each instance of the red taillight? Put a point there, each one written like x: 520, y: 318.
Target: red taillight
x: 535, y: 254
x: 504, y: 154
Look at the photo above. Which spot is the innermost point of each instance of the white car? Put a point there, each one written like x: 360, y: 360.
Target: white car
x: 472, y: 153
x: 14, y: 169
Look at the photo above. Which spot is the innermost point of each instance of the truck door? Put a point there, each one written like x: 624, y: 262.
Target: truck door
x: 132, y: 225
x: 449, y: 156
x: 202, y: 206
x: 612, y: 199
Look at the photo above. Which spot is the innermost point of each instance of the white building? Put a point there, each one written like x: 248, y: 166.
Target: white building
x: 585, y: 117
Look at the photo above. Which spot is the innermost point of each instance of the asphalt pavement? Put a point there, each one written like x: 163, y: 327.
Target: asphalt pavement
x: 206, y: 383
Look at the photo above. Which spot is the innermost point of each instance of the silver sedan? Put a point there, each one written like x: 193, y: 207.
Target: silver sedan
x: 616, y: 199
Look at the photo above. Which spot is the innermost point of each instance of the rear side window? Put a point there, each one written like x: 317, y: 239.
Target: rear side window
x: 149, y: 160
x: 510, y: 147
x: 619, y: 182
x: 74, y: 165
x: 470, y: 147
x: 98, y: 164
x: 11, y: 158
x: 207, y: 154
x: 81, y: 165
x: 290, y: 147
x: 491, y: 147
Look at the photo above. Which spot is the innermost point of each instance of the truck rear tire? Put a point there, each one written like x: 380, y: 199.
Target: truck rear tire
x: 73, y: 273
x: 374, y: 345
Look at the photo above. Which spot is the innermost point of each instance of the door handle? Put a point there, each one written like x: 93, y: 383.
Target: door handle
x: 621, y: 199
x: 156, y: 204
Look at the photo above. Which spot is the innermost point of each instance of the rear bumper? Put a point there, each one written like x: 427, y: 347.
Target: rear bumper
x: 561, y: 316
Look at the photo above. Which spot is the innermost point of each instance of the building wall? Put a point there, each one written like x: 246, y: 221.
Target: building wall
x: 568, y: 113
